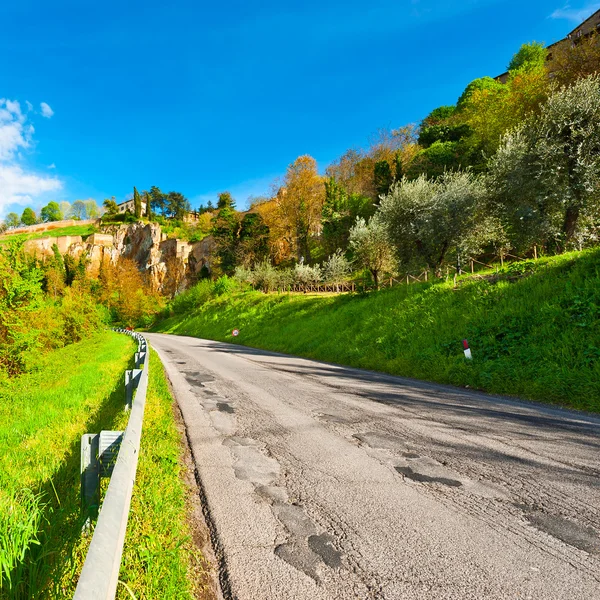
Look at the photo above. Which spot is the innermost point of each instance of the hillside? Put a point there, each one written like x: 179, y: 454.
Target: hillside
x: 534, y: 328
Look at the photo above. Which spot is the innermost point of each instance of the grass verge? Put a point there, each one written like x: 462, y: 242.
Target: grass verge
x: 43, y: 414
x: 534, y: 329
x: 160, y: 559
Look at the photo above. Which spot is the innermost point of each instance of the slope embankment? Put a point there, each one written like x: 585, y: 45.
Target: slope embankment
x: 534, y: 328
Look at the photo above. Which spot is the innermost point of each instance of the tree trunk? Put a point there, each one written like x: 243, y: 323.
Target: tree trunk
x: 570, y: 224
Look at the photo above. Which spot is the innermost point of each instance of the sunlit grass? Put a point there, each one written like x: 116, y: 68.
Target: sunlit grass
x: 83, y: 230
x: 534, y: 335
x: 43, y: 414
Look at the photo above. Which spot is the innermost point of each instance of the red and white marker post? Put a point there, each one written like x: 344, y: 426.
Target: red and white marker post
x: 468, y: 354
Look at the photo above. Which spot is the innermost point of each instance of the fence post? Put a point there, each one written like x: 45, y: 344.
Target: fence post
x: 535, y: 251
x: 472, y: 266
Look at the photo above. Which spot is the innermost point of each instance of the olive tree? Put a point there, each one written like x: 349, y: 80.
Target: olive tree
x: 371, y: 247
x: 430, y: 221
x: 546, y: 173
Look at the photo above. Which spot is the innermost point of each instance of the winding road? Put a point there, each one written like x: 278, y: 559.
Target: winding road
x: 320, y: 481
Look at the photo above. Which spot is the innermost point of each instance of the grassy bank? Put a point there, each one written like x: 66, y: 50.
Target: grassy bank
x: 76, y: 390
x: 161, y: 559
x: 43, y: 414
x: 82, y: 230
x: 534, y: 329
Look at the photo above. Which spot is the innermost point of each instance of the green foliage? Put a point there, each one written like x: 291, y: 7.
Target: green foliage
x: 536, y: 337
x: 438, y: 115
x: 371, y: 246
x: 28, y: 217
x: 482, y: 85
x: 160, y: 558
x: 443, y: 133
x: 12, y: 219
x: 51, y: 212
x: 137, y: 203
x: 72, y: 391
x: 253, y: 240
x: 382, y: 177
x: 430, y: 221
x: 225, y: 230
x: 532, y: 55
x: 546, y: 173
x: 110, y: 205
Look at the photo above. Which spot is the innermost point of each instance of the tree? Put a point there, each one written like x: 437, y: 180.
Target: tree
x: 300, y: 202
x: 28, y: 217
x: 147, y: 199
x: 371, y: 247
x: 427, y: 221
x: 137, y: 203
x: 336, y: 268
x: 51, y: 212
x: 110, y: 205
x: 532, y: 55
x: 12, y: 219
x: 177, y: 205
x: 550, y: 165
x: 253, y: 244
x: 382, y: 177
x: 482, y: 85
x: 79, y: 210
x: 91, y: 209
x: 158, y: 201
x: 572, y: 61
x: 66, y: 209
x: 225, y: 232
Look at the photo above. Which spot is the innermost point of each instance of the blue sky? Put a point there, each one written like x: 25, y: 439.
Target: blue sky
x: 201, y: 97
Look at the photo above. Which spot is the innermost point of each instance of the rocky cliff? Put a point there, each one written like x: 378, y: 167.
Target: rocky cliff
x: 171, y: 264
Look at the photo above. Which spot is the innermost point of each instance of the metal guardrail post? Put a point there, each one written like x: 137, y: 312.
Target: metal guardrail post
x: 132, y: 380
x: 100, y: 574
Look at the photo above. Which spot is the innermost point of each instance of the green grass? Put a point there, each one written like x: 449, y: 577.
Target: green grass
x: 534, y: 335
x: 76, y: 390
x: 160, y: 559
x: 82, y: 230
x: 43, y: 414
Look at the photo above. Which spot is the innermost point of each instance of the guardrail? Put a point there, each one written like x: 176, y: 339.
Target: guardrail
x: 100, y: 574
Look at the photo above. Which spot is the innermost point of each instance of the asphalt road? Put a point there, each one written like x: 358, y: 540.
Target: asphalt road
x: 321, y: 481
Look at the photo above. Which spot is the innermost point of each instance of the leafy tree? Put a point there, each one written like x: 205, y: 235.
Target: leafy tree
x: 438, y: 116
x: 428, y: 221
x: 91, y: 209
x: 66, y: 209
x: 370, y: 245
x: 550, y: 165
x: 137, y: 203
x: 383, y: 178
x: 177, y: 205
x: 28, y: 217
x: 253, y: 241
x: 336, y: 268
x: 158, y: 201
x: 570, y: 62
x: 51, y: 212
x: 79, y: 210
x: 225, y: 232
x: 483, y: 85
x: 12, y: 219
x: 110, y: 205
x: 300, y: 203
x: 532, y: 55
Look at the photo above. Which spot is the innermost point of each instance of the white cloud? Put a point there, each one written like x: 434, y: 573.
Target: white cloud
x: 29, y: 105
x: 46, y: 110
x: 577, y: 15
x: 19, y: 185
x: 52, y: 166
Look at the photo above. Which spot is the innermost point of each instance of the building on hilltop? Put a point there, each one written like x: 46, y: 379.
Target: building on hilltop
x: 129, y: 205
x: 585, y: 29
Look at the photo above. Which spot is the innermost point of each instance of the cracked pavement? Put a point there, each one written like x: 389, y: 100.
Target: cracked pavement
x: 321, y: 481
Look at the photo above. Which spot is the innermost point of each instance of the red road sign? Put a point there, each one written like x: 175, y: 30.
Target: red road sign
x: 235, y: 332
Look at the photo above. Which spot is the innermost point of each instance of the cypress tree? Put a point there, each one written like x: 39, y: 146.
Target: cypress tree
x: 137, y: 203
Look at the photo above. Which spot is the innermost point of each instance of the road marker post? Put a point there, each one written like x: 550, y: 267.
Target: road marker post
x: 468, y: 354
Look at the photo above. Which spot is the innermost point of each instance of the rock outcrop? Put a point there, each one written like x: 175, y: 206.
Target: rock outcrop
x: 170, y: 264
